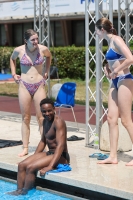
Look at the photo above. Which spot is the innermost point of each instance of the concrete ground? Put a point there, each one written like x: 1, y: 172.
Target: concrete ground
x: 112, y: 180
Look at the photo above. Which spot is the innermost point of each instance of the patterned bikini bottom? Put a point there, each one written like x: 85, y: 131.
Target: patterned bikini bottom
x: 32, y: 88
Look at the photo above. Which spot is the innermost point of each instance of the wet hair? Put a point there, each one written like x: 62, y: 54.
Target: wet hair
x: 29, y: 33
x: 47, y: 101
x: 106, y: 25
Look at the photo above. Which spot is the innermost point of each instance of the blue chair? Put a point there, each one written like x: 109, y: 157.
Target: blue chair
x: 66, y: 98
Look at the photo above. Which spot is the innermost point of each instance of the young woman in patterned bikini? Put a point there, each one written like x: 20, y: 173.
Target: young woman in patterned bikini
x: 32, y: 80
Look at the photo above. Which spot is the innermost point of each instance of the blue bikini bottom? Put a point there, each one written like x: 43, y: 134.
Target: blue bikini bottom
x: 121, y: 78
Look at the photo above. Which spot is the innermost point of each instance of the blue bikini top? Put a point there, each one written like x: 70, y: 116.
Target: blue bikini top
x: 113, y: 55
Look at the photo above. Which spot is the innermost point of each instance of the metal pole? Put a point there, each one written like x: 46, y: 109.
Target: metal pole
x: 97, y: 57
x: 48, y: 33
x: 44, y: 24
x: 119, y: 18
x: 40, y: 28
x: 87, y: 69
x: 127, y: 22
x: 98, y: 8
x: 42, y: 18
x: 111, y: 10
x: 34, y: 14
x: 48, y: 21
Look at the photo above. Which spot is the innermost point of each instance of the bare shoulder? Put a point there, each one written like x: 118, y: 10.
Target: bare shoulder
x: 121, y: 47
x: 17, y: 51
x: 44, y: 50
x: 42, y: 47
x: 59, y: 122
x: 118, y: 40
x: 20, y: 48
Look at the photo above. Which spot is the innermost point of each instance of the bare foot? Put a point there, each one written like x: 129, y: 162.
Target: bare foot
x: 24, y: 191
x: 109, y: 160
x: 18, y: 192
x: 130, y: 163
x: 15, y: 193
x: 24, y: 152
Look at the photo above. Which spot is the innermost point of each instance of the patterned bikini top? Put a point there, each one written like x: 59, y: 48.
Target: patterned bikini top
x: 25, y: 61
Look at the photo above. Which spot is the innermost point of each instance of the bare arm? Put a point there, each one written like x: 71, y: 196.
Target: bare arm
x: 107, y: 71
x: 124, y: 50
x: 41, y: 145
x: 60, y: 140
x: 13, y: 64
x: 48, y: 56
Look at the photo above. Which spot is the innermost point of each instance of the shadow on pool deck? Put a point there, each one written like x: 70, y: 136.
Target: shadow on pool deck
x: 87, y: 179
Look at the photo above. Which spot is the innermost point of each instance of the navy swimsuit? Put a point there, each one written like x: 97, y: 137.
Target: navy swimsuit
x: 112, y: 55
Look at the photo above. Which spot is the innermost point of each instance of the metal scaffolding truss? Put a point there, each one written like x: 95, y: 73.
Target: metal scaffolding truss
x: 42, y: 25
x: 95, y: 76
x: 124, y: 14
x: 96, y: 94
x: 41, y: 20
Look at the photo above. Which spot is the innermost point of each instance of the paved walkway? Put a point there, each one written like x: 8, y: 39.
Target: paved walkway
x: 114, y: 180
x: 11, y: 104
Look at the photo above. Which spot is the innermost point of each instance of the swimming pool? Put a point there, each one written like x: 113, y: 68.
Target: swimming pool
x: 34, y: 194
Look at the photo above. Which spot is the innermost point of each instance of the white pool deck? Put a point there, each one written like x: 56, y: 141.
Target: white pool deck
x: 115, y: 180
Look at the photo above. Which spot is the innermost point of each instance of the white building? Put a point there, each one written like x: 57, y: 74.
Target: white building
x: 67, y: 19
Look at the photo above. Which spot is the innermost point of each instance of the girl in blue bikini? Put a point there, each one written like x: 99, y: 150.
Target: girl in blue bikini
x: 119, y: 60
x: 32, y: 80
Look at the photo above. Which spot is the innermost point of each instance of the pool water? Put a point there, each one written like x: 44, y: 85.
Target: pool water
x: 32, y: 194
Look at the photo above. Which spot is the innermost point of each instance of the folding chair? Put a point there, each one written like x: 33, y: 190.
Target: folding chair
x: 66, y: 98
